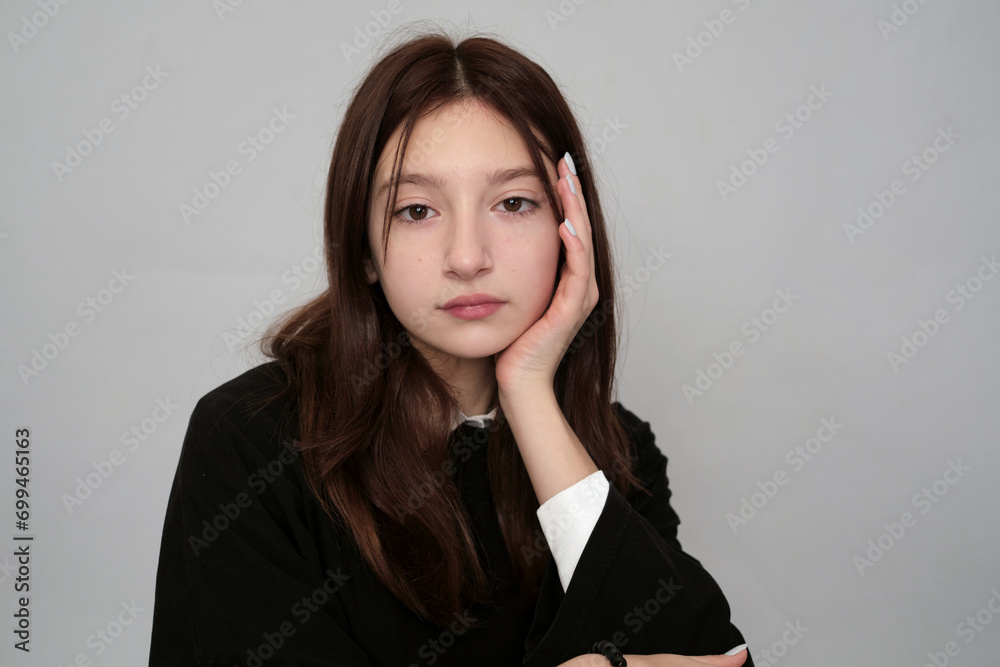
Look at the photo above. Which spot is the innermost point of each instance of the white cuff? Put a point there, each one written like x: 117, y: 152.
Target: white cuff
x: 568, y: 518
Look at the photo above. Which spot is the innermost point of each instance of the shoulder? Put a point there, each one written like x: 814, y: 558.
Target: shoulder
x: 257, y: 394
x: 632, y: 423
x: 649, y: 463
x: 251, y: 416
x: 639, y: 433
x: 650, y: 466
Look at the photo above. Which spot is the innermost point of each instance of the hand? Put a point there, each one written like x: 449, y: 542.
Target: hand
x: 661, y: 660
x: 670, y: 660
x: 532, y: 359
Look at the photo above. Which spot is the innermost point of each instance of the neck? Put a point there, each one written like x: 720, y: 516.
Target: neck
x: 475, y: 386
x: 473, y: 382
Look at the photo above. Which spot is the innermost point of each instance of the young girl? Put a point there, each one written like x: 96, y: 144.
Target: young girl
x: 339, y: 506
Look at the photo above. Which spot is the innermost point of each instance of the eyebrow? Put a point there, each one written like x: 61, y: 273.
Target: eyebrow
x: 496, y: 177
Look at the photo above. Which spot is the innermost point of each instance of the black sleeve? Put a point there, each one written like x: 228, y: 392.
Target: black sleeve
x: 633, y: 585
x: 238, y: 581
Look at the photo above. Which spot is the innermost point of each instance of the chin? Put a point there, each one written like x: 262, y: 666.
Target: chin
x: 471, y: 347
x: 474, y: 350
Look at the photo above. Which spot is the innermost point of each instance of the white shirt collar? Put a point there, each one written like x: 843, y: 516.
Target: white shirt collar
x: 476, y: 420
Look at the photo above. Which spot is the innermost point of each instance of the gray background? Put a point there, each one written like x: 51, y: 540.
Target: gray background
x: 663, y: 136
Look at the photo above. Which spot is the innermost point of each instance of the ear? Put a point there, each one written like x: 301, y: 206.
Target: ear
x: 370, y: 268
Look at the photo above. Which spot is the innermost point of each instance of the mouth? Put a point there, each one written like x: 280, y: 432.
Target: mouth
x: 472, y: 300
x: 473, y: 306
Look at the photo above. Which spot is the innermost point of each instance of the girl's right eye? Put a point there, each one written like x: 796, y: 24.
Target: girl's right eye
x: 416, y: 213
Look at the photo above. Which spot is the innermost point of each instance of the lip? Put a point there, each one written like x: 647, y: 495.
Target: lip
x: 476, y: 312
x: 467, y: 300
x: 473, y: 306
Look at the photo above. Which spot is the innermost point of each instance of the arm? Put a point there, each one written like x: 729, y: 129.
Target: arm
x: 633, y: 584
x: 236, y: 582
x: 730, y: 659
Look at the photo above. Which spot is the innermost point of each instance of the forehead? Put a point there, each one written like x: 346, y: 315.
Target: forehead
x: 456, y: 136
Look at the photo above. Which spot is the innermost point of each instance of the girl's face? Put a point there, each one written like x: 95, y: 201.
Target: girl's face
x: 470, y: 218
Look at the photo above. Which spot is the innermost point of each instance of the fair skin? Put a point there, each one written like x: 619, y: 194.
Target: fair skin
x: 661, y: 660
x: 471, y: 217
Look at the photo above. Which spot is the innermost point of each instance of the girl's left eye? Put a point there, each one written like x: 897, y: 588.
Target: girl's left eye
x: 518, y: 205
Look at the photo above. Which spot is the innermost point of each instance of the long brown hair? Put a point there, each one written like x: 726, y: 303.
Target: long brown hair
x: 374, y: 417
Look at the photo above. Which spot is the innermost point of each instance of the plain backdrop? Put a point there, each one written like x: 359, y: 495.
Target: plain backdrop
x: 812, y: 184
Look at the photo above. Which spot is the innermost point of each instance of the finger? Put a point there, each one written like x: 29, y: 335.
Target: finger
x: 580, y: 285
x: 575, y: 207
x: 573, y: 203
x: 563, y: 170
x: 727, y: 660
x: 577, y: 273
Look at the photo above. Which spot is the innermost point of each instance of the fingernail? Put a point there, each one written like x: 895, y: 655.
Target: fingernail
x: 572, y: 187
x: 734, y: 651
x: 569, y: 226
x: 569, y: 163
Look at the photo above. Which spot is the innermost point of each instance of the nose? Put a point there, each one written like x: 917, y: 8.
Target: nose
x: 467, y: 252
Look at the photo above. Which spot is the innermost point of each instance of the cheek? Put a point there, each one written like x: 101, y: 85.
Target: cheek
x: 538, y: 270
x: 401, y: 282
x: 411, y: 287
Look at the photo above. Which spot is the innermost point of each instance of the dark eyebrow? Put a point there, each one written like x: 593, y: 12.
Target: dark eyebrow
x: 497, y: 177
x: 501, y: 176
x: 414, y: 179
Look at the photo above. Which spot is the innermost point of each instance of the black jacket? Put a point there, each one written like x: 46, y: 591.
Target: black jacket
x: 253, y: 572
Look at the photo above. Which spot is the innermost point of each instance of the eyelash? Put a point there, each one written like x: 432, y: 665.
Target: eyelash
x: 531, y: 209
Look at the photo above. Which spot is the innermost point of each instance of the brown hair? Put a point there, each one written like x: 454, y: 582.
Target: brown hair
x: 374, y: 417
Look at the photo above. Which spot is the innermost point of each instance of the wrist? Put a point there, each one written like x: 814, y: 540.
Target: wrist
x: 526, y: 386
x: 553, y: 455
x: 528, y: 398
x: 609, y: 651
